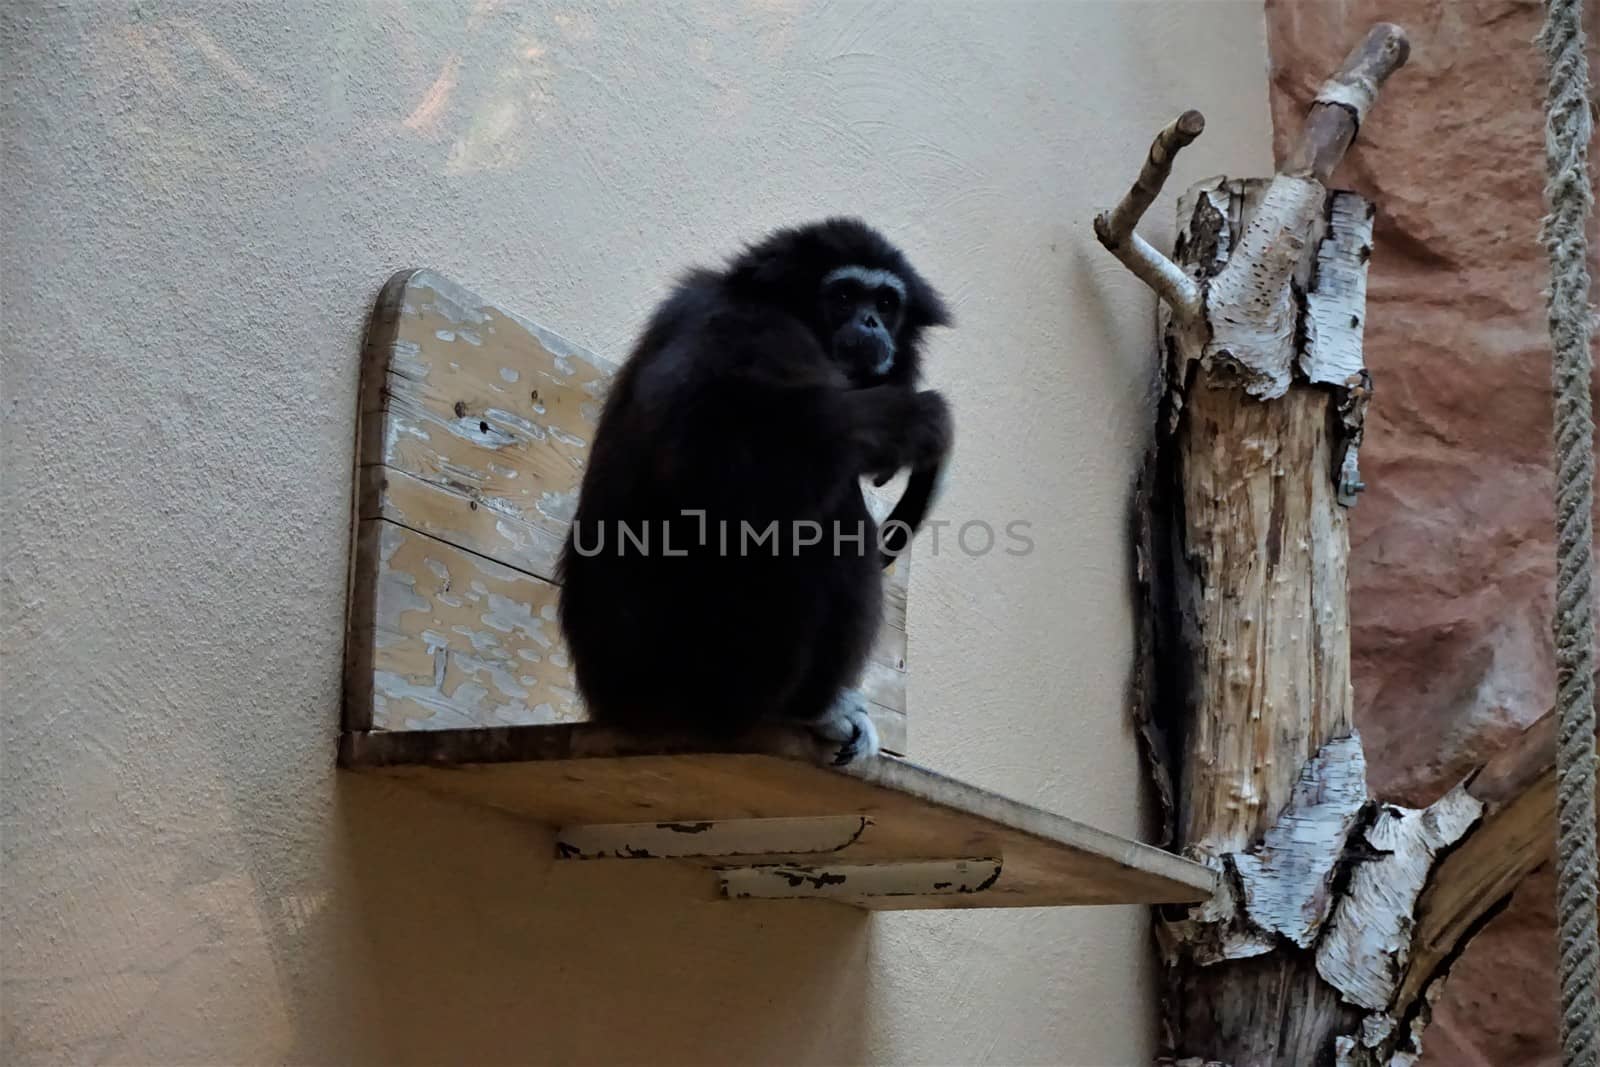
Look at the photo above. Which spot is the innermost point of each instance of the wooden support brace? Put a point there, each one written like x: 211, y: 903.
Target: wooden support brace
x: 857, y: 882
x: 704, y: 838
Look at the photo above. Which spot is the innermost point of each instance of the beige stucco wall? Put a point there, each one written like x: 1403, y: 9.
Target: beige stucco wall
x: 200, y: 203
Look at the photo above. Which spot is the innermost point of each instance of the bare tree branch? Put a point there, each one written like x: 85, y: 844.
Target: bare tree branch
x: 1115, y: 228
x: 1343, y: 101
x: 1177, y: 135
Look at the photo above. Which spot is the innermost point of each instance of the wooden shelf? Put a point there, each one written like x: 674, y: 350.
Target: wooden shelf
x: 474, y: 429
x: 766, y: 822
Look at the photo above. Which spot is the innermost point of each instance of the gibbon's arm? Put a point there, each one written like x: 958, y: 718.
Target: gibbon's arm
x: 893, y: 427
x: 922, y: 488
x: 886, y: 429
x: 896, y: 428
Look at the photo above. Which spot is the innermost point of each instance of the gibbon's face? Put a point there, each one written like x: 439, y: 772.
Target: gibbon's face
x: 862, y: 309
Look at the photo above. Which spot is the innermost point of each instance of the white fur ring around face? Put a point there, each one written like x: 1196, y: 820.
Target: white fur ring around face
x: 847, y: 730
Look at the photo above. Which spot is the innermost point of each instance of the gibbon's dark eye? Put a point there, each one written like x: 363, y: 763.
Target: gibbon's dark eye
x: 888, y: 300
x: 841, y: 296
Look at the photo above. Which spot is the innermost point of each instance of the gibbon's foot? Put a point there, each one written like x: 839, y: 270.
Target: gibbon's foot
x: 846, y: 730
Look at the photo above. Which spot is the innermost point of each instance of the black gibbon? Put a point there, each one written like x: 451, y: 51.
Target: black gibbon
x: 722, y: 568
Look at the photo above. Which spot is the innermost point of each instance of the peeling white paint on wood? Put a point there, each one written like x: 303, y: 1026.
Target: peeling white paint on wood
x: 504, y: 450
x: 459, y: 641
x: 884, y: 685
x: 843, y: 881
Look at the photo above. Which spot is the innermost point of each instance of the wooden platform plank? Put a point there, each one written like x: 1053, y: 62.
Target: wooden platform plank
x: 572, y: 776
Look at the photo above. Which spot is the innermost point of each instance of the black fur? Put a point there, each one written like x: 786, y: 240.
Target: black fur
x: 738, y: 402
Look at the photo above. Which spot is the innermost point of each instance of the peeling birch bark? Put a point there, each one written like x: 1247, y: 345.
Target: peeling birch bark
x: 1336, y: 918
x: 1252, y: 309
x: 1288, y: 878
x: 1336, y: 304
x: 1365, y: 948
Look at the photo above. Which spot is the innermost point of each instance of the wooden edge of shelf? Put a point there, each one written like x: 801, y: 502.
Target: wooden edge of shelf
x: 446, y: 749
x: 913, y: 779
x: 556, y: 741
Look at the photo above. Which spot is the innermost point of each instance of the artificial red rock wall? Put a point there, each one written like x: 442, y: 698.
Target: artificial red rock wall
x: 1451, y: 569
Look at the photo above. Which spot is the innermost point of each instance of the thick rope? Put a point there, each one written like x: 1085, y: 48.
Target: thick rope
x: 1567, y: 131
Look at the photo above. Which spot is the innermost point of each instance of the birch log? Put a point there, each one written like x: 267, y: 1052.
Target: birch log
x: 1338, y: 916
x: 1271, y: 778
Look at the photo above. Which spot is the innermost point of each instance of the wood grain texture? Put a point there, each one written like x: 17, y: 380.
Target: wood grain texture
x: 473, y: 434
x: 1259, y: 544
x: 566, y: 776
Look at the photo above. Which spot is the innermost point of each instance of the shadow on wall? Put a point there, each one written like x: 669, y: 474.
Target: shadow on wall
x: 450, y: 935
